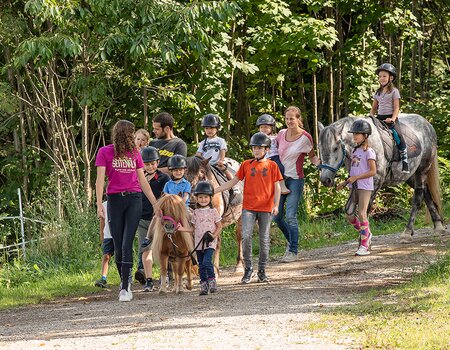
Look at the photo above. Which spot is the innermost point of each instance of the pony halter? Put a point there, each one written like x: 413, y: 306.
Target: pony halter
x: 329, y: 167
x: 169, y: 224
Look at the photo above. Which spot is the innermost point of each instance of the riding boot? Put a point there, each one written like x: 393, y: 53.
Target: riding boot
x: 404, y: 159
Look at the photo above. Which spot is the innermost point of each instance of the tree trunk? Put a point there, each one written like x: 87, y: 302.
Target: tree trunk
x: 145, y: 107
x: 316, y: 117
x: 86, y: 157
x: 230, y: 86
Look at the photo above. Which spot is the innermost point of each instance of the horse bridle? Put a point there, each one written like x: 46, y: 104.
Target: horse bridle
x: 344, y: 155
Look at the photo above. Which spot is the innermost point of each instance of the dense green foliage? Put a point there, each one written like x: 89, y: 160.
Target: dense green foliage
x: 71, y: 68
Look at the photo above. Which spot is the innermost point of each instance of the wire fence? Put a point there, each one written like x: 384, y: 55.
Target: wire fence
x: 22, y: 244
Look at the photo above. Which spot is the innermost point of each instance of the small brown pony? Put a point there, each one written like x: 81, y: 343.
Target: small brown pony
x: 171, y: 244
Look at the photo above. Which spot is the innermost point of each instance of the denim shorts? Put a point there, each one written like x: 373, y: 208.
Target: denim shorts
x: 108, y: 246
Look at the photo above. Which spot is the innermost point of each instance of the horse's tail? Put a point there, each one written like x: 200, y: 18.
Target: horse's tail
x: 434, y: 185
x: 158, y: 236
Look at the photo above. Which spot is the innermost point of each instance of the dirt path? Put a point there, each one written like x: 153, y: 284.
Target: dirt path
x: 255, y: 316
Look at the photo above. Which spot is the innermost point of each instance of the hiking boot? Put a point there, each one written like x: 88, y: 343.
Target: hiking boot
x: 212, y: 285
x: 404, y: 159
x: 125, y: 295
x: 204, y: 288
x: 289, y: 257
x: 262, y: 277
x: 248, y: 274
x: 139, y: 276
x: 149, y: 285
x: 101, y: 283
x: 405, y: 167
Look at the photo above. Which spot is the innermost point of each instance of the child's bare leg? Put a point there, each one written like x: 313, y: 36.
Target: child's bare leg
x: 147, y: 260
x: 284, y: 189
x: 105, y: 264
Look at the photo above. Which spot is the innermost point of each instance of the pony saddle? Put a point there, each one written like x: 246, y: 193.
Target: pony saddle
x: 391, y: 139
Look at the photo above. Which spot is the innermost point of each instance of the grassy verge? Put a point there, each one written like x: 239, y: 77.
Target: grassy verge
x: 411, y: 316
x: 42, y: 278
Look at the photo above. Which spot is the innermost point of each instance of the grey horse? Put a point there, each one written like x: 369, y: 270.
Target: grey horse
x: 335, y: 146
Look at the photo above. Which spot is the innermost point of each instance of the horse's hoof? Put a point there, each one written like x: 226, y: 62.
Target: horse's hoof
x: 179, y: 291
x: 239, y: 269
x: 162, y: 292
x: 406, y: 236
x: 439, y: 229
x: 189, y: 286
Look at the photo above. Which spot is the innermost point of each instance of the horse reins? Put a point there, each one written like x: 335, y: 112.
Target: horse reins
x: 344, y: 155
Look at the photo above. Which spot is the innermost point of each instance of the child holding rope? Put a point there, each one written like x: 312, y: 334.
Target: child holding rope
x: 363, y: 169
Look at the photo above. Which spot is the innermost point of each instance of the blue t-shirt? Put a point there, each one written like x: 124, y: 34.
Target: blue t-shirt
x: 180, y: 188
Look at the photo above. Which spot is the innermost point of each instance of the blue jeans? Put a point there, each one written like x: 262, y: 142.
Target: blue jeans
x: 205, y: 264
x: 248, y: 222
x: 287, y: 219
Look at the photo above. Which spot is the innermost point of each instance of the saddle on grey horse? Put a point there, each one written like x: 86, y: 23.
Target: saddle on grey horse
x: 391, y: 151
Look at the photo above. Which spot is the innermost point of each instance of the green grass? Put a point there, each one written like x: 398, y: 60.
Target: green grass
x: 412, y: 316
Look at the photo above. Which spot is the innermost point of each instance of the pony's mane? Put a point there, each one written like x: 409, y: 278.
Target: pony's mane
x: 174, y: 206
x: 195, y: 163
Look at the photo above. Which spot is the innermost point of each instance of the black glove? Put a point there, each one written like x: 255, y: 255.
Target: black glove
x: 208, y: 237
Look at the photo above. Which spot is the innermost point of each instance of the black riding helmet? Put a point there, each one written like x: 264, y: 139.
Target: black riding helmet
x: 388, y: 68
x: 265, y: 119
x: 260, y: 139
x: 149, y: 154
x: 211, y: 121
x: 203, y: 187
x: 177, y: 162
x: 360, y: 126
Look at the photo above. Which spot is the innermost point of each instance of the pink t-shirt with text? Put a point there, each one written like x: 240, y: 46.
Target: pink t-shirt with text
x: 121, y: 172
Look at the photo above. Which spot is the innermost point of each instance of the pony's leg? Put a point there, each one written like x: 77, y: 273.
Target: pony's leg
x: 217, y: 255
x: 437, y: 219
x: 407, y: 234
x: 188, y: 265
x: 240, y: 257
x: 164, y: 261
x: 178, y: 268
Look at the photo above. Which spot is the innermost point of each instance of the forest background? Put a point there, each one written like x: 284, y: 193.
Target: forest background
x: 71, y: 68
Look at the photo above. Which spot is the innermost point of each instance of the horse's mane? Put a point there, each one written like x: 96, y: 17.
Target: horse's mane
x: 195, y: 163
x: 174, y: 206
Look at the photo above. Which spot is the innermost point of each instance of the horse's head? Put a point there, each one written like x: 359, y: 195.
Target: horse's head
x: 198, y: 169
x: 172, y: 210
x: 332, y: 154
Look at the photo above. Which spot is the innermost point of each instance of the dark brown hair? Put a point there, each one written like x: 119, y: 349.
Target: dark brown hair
x: 164, y: 119
x: 123, y: 138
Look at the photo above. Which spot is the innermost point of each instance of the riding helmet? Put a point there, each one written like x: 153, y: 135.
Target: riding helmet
x: 360, y: 126
x: 388, y: 68
x: 204, y: 187
x: 260, y: 139
x: 265, y: 119
x: 149, y: 154
x: 177, y: 162
x: 210, y: 121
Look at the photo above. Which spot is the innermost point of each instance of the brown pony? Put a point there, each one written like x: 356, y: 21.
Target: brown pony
x: 171, y: 244
x: 199, y: 169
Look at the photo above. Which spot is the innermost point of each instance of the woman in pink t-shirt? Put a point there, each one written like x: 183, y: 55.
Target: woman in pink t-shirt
x: 294, y: 143
x: 122, y: 163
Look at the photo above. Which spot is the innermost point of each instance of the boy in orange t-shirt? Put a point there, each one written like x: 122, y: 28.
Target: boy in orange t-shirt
x: 261, y: 199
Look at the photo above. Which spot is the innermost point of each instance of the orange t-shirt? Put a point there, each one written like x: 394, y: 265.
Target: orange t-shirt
x: 259, y: 183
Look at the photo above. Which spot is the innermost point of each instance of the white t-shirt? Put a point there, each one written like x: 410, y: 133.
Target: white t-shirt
x: 106, y: 231
x: 211, y: 147
x: 273, y: 147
